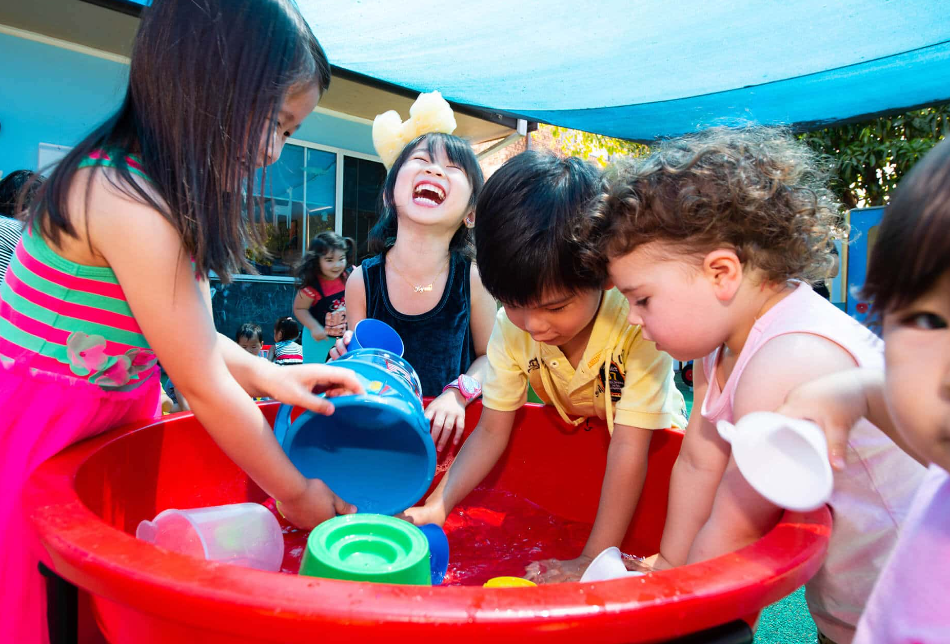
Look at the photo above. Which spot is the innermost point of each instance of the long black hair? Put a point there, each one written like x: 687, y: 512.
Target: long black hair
x: 207, y: 78
x: 458, y: 151
x: 308, y: 271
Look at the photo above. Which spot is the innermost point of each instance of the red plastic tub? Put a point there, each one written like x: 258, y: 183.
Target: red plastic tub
x: 86, y: 502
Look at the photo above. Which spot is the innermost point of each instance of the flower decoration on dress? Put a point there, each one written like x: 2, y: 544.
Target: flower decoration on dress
x: 87, y: 357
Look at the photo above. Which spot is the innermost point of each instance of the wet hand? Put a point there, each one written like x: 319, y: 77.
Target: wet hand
x: 554, y: 571
x: 302, y: 384
x: 447, y: 415
x: 313, y: 506
x: 431, y: 512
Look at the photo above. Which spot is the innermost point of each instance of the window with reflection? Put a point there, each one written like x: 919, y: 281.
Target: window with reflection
x: 362, y: 183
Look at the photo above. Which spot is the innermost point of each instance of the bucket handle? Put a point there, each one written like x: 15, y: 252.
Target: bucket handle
x: 282, y: 423
x: 726, y: 430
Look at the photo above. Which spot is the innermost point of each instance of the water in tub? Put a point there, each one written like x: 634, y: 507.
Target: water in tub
x: 492, y: 533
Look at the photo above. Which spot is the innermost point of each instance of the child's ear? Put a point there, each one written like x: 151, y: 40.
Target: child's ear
x: 724, y: 271
x: 469, y: 220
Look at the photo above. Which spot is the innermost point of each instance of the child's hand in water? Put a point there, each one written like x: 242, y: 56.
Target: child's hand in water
x: 431, y: 512
x: 447, y: 415
x: 315, y: 505
x: 301, y: 385
x: 554, y: 571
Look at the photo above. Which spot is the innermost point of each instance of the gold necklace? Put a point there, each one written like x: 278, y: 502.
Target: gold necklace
x: 419, y: 288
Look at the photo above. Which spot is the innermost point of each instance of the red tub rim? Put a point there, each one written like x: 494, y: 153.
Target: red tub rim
x: 247, y: 602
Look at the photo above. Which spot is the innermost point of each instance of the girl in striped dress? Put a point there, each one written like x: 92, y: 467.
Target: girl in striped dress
x: 114, y: 261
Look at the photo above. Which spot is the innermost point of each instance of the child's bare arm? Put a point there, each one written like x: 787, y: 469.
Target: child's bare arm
x: 693, y: 482
x: 447, y: 411
x: 355, y: 310
x: 740, y: 515
x: 474, y: 461
x: 623, y: 482
x: 837, y: 401
x: 302, y: 305
x: 147, y: 256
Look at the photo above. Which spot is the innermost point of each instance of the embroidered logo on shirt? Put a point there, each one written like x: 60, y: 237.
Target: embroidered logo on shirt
x: 617, y: 379
x: 533, y: 365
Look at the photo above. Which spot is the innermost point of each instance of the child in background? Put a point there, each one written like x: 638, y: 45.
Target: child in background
x: 16, y: 191
x: 423, y: 282
x: 285, y: 350
x: 908, y: 285
x: 710, y: 239
x: 569, y: 338
x: 320, y: 303
x: 250, y: 337
x: 113, y: 267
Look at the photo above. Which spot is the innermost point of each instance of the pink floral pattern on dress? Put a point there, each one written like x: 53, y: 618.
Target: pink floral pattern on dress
x: 87, y: 357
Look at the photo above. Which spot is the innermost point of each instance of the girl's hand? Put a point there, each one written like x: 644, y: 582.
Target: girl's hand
x: 447, y: 415
x: 835, y: 403
x: 336, y: 323
x: 553, y: 571
x: 314, y: 505
x: 340, y: 347
x: 301, y: 385
x: 432, y: 512
x: 319, y: 334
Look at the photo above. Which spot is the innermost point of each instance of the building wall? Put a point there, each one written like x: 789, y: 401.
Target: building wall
x: 50, y: 94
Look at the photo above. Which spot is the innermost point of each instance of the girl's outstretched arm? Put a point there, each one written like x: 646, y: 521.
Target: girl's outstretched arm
x: 739, y: 514
x: 355, y: 310
x: 693, y: 482
x: 154, y: 270
x: 302, y: 305
x: 447, y: 411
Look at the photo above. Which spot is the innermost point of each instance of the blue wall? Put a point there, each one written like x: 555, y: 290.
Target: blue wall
x: 55, y: 95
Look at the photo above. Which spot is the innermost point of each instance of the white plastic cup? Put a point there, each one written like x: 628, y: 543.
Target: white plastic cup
x: 607, y: 565
x: 243, y: 534
x: 783, y: 459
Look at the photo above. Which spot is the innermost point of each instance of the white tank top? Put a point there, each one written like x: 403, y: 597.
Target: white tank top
x: 871, y: 496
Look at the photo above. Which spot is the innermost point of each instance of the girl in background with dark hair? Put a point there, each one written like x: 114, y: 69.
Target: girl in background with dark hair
x: 114, y: 263
x: 423, y: 282
x: 16, y: 191
x: 320, y: 304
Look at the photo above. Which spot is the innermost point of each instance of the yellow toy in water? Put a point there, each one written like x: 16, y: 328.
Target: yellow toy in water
x: 430, y: 113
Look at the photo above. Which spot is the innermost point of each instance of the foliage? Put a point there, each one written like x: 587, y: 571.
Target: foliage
x: 871, y: 157
x: 591, y: 147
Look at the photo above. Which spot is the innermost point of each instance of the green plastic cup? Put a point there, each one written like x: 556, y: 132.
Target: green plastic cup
x: 368, y: 547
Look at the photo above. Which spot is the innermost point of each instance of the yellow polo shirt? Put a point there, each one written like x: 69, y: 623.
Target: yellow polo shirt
x: 642, y: 393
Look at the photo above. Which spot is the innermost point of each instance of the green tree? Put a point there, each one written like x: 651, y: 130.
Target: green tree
x: 871, y: 157
x: 591, y: 147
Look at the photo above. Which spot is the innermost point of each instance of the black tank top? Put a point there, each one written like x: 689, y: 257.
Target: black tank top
x: 438, y: 343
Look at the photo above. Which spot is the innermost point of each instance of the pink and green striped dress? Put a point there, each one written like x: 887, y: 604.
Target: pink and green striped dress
x: 73, y: 364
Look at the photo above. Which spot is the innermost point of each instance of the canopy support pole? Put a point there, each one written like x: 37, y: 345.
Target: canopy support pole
x: 520, y: 133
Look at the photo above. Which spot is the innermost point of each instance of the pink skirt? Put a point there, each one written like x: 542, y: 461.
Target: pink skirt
x: 41, y: 414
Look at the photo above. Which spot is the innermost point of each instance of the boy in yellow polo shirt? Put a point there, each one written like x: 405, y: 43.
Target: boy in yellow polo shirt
x: 567, y: 336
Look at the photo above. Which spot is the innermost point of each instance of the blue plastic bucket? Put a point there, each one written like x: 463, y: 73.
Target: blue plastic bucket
x: 375, y: 451
x: 373, y: 334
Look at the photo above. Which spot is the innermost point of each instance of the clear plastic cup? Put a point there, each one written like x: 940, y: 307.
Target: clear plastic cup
x: 243, y: 534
